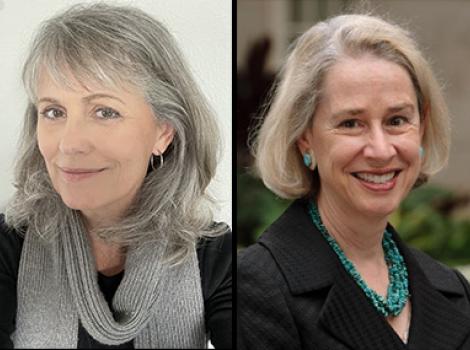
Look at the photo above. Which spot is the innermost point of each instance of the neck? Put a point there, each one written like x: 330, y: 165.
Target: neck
x: 109, y: 257
x: 109, y: 214
x: 96, y: 219
x: 359, y: 237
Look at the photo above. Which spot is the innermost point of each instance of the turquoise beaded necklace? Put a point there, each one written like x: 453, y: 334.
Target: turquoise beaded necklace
x: 397, y: 292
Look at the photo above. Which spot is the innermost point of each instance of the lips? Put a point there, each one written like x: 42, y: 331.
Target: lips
x: 379, y: 180
x: 78, y: 174
x: 376, y: 178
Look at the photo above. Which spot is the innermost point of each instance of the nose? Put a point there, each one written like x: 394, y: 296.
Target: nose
x: 379, y: 148
x: 75, y: 138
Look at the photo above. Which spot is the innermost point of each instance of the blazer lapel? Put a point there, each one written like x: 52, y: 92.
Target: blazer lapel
x: 309, y: 264
x: 349, y: 317
x: 436, y: 322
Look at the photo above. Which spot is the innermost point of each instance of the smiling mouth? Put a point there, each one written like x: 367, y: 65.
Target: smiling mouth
x: 374, y: 178
x: 80, y: 170
x: 78, y: 174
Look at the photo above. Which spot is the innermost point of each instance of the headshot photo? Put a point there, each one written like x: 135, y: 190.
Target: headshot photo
x: 348, y: 236
x: 116, y: 190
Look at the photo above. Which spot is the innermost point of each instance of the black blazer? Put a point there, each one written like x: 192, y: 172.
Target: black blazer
x: 293, y: 293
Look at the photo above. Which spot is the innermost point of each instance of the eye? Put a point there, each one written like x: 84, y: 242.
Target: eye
x: 398, y: 120
x: 107, y: 113
x: 52, y: 113
x: 349, y: 123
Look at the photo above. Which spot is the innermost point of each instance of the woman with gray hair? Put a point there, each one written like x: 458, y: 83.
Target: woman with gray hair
x: 356, y: 121
x: 109, y: 240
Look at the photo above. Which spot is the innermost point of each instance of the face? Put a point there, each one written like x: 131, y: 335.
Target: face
x: 96, y: 143
x: 365, y: 136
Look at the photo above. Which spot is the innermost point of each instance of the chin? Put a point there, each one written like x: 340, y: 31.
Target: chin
x: 75, y: 203
x: 379, y: 209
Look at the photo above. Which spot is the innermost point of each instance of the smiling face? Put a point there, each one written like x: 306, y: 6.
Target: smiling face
x: 96, y: 143
x: 365, y: 136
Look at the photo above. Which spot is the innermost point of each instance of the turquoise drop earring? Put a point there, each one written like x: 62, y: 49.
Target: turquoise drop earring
x: 421, y: 151
x: 307, y: 160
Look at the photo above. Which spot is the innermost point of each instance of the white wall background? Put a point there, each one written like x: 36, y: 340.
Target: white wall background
x: 203, y: 30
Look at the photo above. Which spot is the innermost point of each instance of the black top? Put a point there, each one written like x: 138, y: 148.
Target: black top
x: 215, y: 263
x: 293, y: 293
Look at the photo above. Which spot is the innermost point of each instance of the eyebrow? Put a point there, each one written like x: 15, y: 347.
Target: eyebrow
x: 401, y: 107
x: 356, y: 111
x: 48, y: 99
x: 95, y: 96
x: 85, y: 99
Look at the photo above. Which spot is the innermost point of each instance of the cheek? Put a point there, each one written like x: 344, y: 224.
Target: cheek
x: 410, y: 156
x: 408, y: 149
x: 46, y: 143
x: 132, y: 156
x: 134, y: 160
x: 336, y: 151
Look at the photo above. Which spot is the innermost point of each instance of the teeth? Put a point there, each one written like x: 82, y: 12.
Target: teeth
x: 377, y: 179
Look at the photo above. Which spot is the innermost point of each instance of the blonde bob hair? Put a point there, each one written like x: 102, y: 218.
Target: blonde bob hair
x: 294, y: 99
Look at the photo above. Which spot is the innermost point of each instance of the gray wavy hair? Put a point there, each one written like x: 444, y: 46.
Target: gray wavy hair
x: 113, y: 45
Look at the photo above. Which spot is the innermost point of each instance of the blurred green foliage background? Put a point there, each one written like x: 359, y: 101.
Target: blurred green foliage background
x: 429, y: 218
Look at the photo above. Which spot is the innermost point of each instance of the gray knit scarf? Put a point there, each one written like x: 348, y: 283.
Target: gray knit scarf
x: 155, y: 305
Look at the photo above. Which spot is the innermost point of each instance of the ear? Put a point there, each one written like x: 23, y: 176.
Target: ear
x: 304, y: 142
x: 165, y: 134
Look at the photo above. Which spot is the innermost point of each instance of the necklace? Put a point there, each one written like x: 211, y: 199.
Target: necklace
x: 397, y: 291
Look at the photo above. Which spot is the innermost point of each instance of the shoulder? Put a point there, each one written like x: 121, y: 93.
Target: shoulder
x: 215, y: 250
x: 10, y: 251
x: 275, y: 251
x: 257, y: 267
x: 11, y: 243
x: 259, y: 275
x: 256, y: 259
x: 215, y: 262
x: 264, y: 304
x: 430, y: 265
x: 263, y: 267
x: 446, y: 280
x: 221, y: 244
x: 442, y: 277
x: 290, y: 253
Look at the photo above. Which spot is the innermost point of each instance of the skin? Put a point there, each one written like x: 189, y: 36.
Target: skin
x: 367, y: 121
x: 96, y: 142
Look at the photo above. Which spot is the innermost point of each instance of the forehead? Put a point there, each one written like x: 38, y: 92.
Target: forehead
x: 65, y: 82
x: 365, y: 79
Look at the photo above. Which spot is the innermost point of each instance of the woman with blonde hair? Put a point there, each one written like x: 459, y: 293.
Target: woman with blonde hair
x: 109, y: 241
x: 356, y: 121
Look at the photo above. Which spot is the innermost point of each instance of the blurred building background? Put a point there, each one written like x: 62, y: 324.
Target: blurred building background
x: 436, y: 218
